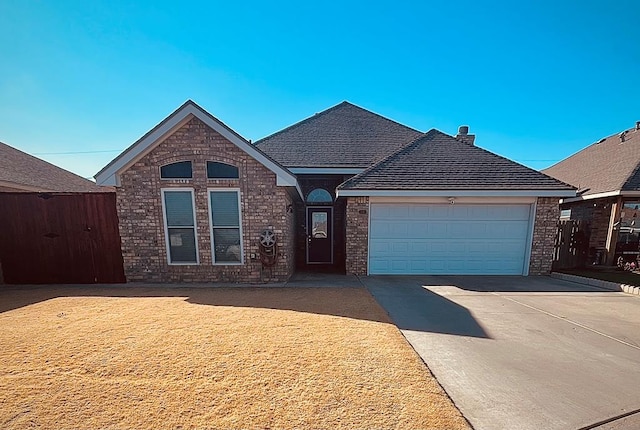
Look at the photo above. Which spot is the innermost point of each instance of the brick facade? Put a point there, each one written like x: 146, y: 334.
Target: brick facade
x: 263, y: 204
x: 598, y: 213
x: 357, y: 232
x: 544, y: 233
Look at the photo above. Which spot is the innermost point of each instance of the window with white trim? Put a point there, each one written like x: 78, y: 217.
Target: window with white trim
x: 179, y: 224
x: 226, y: 226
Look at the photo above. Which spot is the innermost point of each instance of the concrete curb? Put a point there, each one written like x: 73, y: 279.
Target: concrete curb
x: 607, y: 285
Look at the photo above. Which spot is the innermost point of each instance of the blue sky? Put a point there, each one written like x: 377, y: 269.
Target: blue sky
x: 535, y: 81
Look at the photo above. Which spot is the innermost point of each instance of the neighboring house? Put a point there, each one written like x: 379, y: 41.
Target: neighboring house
x: 345, y: 190
x: 22, y: 172
x: 607, y: 175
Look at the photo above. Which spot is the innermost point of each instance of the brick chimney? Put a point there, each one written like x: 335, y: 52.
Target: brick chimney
x: 464, y: 136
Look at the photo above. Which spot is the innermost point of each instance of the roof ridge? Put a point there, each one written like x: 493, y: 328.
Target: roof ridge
x: 388, y: 157
x: 597, y: 142
x: 429, y: 136
x: 381, y: 116
x: 608, y: 164
x: 521, y: 165
x: 299, y: 123
x: 326, y: 111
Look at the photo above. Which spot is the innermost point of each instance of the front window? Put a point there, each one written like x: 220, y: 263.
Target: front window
x: 216, y: 170
x: 226, y: 230
x: 180, y: 232
x: 179, y: 170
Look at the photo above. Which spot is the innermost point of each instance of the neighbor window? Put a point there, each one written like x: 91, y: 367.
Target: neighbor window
x: 179, y: 222
x: 565, y: 214
x: 179, y: 170
x: 226, y: 231
x: 216, y: 170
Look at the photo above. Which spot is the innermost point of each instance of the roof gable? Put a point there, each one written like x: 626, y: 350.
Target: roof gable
x: 109, y: 175
x: 343, y: 136
x: 21, y: 171
x: 437, y: 162
x: 605, y: 166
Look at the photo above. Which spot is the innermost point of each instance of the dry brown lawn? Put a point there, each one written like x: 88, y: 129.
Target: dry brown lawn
x: 268, y: 358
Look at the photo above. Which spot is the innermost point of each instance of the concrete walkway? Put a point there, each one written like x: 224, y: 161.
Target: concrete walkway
x: 523, y: 352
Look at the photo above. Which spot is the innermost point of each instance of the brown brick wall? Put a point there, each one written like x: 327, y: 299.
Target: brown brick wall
x: 263, y: 204
x: 544, y: 232
x: 598, y: 213
x: 357, y: 232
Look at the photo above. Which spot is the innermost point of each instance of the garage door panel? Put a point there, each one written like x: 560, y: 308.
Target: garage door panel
x: 390, y: 212
x: 448, y: 239
x: 419, y: 247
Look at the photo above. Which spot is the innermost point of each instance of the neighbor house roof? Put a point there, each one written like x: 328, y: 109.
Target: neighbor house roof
x: 439, y: 163
x: 345, y: 136
x: 609, y: 165
x: 20, y: 171
x: 110, y: 174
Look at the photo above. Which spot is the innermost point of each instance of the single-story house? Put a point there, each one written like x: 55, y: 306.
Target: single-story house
x: 344, y: 190
x: 54, y: 224
x: 607, y: 176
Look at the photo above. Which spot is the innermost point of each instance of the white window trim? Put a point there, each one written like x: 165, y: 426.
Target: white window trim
x: 175, y: 179
x: 211, y: 227
x: 166, y: 227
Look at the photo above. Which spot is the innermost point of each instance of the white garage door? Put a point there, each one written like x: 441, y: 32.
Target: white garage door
x: 448, y: 239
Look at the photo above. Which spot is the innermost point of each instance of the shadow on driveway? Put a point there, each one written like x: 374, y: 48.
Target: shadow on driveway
x: 413, y: 307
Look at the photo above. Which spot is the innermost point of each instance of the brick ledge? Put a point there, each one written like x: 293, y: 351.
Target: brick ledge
x: 607, y: 285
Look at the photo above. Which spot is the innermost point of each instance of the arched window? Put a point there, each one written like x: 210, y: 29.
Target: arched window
x: 319, y: 196
x: 216, y: 170
x: 179, y: 170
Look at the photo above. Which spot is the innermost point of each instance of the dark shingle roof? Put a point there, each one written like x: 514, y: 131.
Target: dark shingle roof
x: 607, y: 165
x: 437, y: 161
x: 342, y: 136
x: 23, y: 171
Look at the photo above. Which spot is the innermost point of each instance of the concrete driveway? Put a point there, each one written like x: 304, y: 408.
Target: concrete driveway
x: 523, y: 352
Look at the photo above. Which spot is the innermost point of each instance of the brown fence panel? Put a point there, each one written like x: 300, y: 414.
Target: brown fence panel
x: 60, y: 238
x: 571, y: 247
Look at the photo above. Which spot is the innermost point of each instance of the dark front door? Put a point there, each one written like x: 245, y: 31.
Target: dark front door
x: 319, y: 235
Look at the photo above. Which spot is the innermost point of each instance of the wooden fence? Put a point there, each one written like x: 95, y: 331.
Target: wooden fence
x: 56, y: 238
x: 571, y: 246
